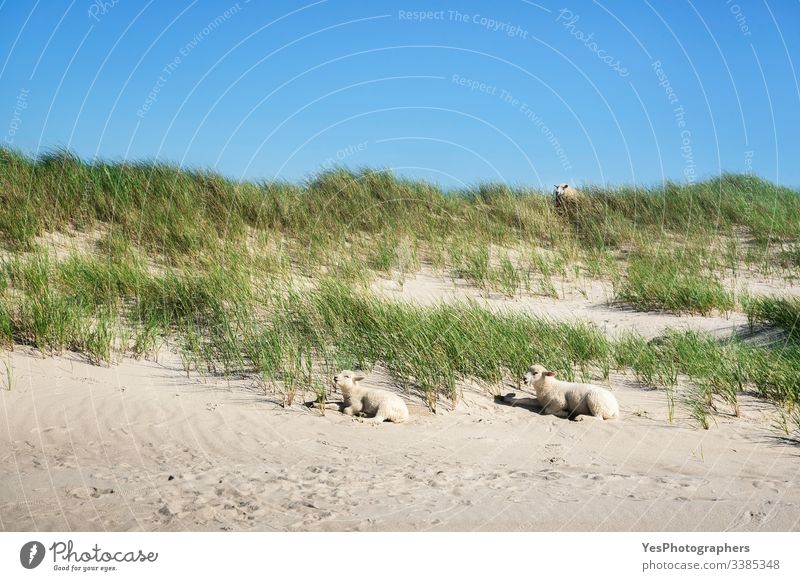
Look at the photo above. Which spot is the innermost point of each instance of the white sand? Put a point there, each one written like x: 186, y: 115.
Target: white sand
x: 139, y: 446
x: 585, y: 300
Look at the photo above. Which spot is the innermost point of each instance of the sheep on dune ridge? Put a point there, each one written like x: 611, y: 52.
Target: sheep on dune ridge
x: 565, y: 198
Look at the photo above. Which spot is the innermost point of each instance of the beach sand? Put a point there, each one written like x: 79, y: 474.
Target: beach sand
x: 139, y: 446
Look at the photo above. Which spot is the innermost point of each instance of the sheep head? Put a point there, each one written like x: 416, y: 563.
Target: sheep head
x: 346, y: 380
x: 536, y: 375
x: 560, y: 189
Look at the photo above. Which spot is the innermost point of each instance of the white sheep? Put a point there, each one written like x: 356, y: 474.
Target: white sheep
x: 567, y: 399
x: 381, y: 405
x: 566, y: 197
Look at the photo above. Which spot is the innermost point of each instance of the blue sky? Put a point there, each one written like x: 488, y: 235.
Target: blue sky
x: 515, y: 91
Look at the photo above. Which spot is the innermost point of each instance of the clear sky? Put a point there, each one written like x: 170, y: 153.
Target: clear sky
x: 457, y: 92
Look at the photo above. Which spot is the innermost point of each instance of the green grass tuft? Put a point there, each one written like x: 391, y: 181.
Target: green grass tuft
x: 675, y: 283
x: 780, y: 312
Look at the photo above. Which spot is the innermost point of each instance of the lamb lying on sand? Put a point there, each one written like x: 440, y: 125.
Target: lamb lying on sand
x: 567, y: 399
x: 380, y: 404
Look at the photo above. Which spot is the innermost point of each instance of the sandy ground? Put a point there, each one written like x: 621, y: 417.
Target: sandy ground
x: 585, y: 300
x: 139, y: 446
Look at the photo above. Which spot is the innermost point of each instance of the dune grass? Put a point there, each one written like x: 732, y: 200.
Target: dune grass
x: 180, y: 214
x: 675, y: 282
x: 262, y: 278
x: 781, y: 312
x: 229, y: 322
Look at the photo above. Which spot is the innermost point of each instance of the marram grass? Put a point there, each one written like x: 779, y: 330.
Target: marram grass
x: 295, y: 338
x: 211, y: 265
x: 180, y: 213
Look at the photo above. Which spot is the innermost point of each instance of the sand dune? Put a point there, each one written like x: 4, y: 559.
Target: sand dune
x: 586, y: 300
x: 139, y: 446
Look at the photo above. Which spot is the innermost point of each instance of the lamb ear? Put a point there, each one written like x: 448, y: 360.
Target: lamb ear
x: 550, y: 373
x: 359, y: 377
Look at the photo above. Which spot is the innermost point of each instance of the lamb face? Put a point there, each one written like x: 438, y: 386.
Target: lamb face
x: 346, y: 380
x: 536, y: 376
x: 560, y: 189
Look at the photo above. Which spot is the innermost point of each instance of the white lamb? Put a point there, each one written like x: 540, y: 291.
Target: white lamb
x: 567, y: 399
x: 380, y: 404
